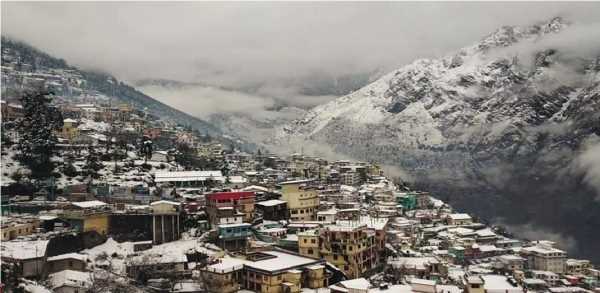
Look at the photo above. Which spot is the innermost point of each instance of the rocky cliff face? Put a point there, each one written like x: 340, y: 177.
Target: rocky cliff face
x: 497, y: 128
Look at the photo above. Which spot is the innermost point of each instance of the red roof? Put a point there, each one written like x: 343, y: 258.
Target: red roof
x: 236, y: 195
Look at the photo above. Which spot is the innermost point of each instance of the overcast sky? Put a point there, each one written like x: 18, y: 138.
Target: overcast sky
x: 268, y: 50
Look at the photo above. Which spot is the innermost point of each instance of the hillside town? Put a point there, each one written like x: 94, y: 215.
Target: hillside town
x: 139, y: 204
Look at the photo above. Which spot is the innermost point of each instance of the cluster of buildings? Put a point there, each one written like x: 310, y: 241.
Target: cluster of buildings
x: 242, y: 222
x: 268, y: 233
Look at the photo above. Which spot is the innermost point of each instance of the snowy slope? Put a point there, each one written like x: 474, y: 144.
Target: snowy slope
x: 496, y: 128
x: 484, y: 94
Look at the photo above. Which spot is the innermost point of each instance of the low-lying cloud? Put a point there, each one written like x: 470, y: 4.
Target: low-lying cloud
x: 273, y: 51
x: 588, y: 163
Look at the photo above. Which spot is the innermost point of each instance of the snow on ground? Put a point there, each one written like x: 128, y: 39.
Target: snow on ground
x: 33, y: 287
x: 10, y: 165
x: 93, y: 125
x: 111, y: 253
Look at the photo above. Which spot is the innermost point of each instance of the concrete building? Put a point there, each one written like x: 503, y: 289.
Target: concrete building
x: 578, y: 266
x: 308, y: 243
x: 241, y: 201
x: 543, y: 257
x: 224, y: 276
x: 302, y: 199
x: 69, y: 261
x: 69, y: 129
x: 233, y: 236
x: 13, y: 227
x: 29, y: 256
x: 273, y: 210
x: 459, y: 219
x: 352, y: 249
x: 188, y: 178
x: 166, y: 223
x: 69, y: 281
x: 278, y: 272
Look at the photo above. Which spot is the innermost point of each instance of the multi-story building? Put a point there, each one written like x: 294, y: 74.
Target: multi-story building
x: 241, y: 202
x: 166, y: 223
x: 224, y: 276
x: 273, y: 210
x: 302, y: 200
x: 308, y: 243
x: 544, y: 257
x: 459, y: 219
x: 353, y: 250
x: 233, y: 236
x: 265, y: 272
x: 69, y: 129
x: 578, y: 266
x: 350, y: 178
x: 278, y: 272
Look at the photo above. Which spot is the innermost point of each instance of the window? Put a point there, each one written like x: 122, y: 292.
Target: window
x: 313, y: 241
x: 310, y: 251
x: 279, y: 277
x: 305, y: 241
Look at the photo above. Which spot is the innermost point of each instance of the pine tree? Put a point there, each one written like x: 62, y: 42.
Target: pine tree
x: 38, y: 140
x: 146, y: 149
x: 92, y: 163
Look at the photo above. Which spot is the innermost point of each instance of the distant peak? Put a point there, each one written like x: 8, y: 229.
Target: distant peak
x: 508, y: 35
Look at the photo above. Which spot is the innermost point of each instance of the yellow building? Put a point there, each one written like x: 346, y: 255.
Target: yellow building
x: 15, y: 227
x: 302, y: 200
x: 353, y: 250
x: 69, y: 129
x: 279, y: 272
x: 224, y: 276
x: 308, y: 243
x: 85, y: 222
x: 87, y: 216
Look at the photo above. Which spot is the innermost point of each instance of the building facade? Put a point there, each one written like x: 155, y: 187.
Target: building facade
x: 302, y: 200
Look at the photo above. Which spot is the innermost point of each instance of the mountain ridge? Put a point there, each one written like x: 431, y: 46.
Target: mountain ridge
x: 104, y: 83
x: 490, y: 128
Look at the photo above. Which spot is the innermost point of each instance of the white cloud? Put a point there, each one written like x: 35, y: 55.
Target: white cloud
x: 588, y: 162
x: 264, y: 48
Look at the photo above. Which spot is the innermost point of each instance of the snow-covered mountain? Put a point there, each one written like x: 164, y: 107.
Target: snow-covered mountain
x: 491, y: 128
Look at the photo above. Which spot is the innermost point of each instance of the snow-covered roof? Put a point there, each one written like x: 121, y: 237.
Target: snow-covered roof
x: 69, y: 120
x: 89, y: 204
x: 459, y: 216
x: 499, y: 283
x: 226, y: 264
x: 255, y: 187
x: 282, y: 261
x: 22, y: 249
x: 70, y: 278
x: 296, y: 181
x: 372, y: 223
x: 165, y: 202
x: 422, y: 282
x: 179, y: 176
x: 360, y: 284
x: 77, y: 256
x: 158, y: 258
x: 270, y: 203
x: 237, y: 179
